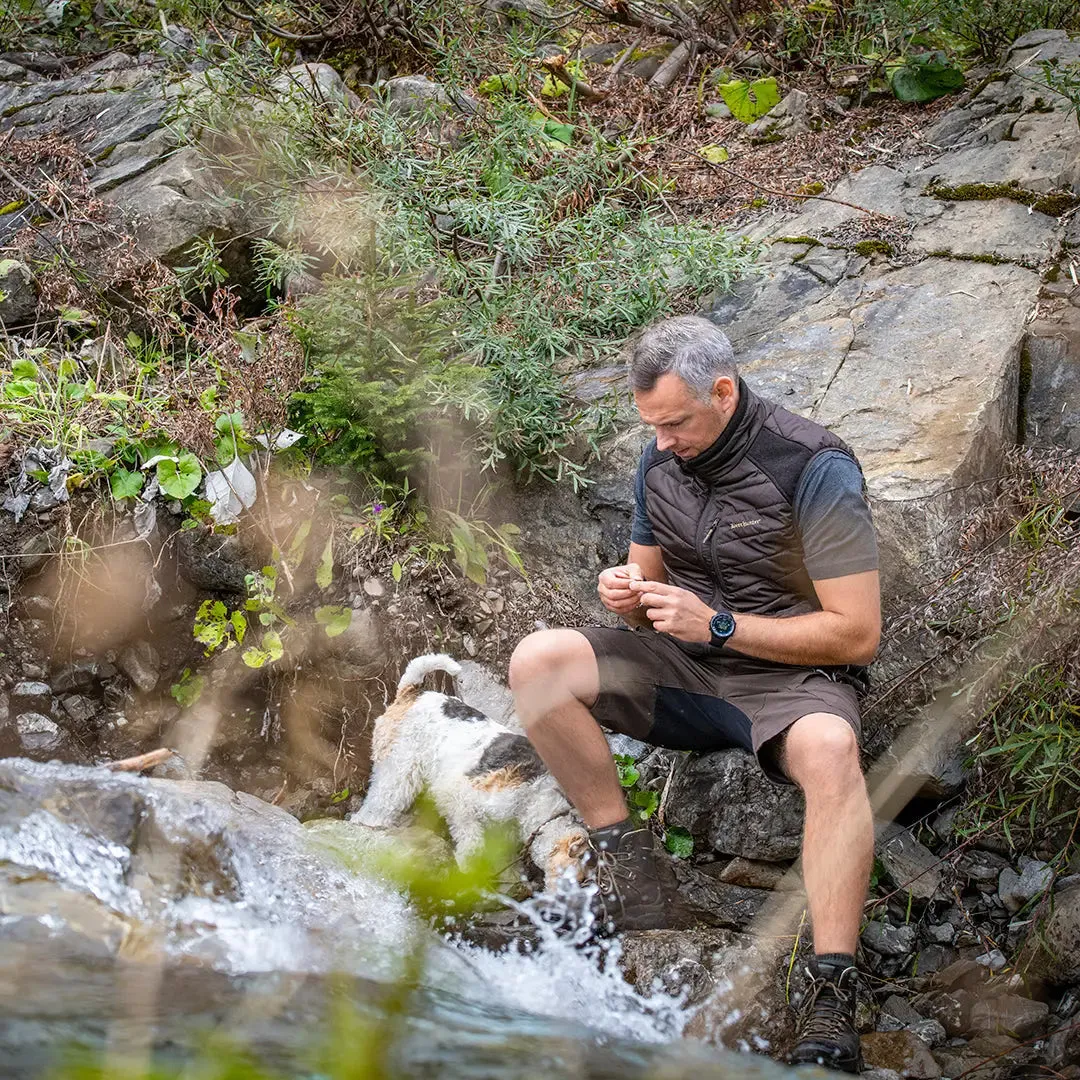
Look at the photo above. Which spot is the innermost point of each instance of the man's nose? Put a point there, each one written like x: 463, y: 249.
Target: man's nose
x: 663, y: 442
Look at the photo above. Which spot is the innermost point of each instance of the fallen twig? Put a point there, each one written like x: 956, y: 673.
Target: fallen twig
x: 628, y: 52
x: 141, y: 762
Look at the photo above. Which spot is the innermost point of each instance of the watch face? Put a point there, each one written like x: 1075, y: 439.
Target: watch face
x: 722, y: 625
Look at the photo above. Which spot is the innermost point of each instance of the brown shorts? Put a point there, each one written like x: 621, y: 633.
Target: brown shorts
x: 654, y: 688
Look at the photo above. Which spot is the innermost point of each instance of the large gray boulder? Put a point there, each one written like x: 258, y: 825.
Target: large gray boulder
x: 732, y: 808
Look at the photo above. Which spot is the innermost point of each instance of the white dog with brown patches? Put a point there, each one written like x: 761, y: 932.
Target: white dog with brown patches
x: 476, y: 771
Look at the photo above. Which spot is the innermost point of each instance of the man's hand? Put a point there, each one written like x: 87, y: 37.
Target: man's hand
x: 674, y: 611
x: 614, y: 588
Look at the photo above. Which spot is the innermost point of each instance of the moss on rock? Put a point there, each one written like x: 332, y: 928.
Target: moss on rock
x: 1053, y: 204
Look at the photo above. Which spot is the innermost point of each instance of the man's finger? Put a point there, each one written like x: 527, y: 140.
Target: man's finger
x: 657, y: 587
x: 657, y: 600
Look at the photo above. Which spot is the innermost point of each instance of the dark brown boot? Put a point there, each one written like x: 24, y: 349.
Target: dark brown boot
x: 827, y: 1034
x: 621, y: 860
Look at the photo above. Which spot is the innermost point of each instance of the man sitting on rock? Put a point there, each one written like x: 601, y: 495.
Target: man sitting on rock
x: 752, y: 595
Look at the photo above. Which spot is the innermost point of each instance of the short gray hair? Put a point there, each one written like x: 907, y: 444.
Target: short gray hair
x: 690, y: 346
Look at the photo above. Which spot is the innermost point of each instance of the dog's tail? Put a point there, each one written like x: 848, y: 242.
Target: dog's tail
x: 422, y: 666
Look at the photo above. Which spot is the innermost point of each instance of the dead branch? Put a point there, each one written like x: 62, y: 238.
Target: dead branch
x: 626, y: 14
x: 673, y: 66
x: 141, y: 762
x: 555, y: 66
x: 619, y: 64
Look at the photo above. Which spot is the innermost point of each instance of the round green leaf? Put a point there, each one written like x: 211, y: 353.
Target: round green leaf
x: 124, y: 484
x: 179, y: 478
x: 679, y: 842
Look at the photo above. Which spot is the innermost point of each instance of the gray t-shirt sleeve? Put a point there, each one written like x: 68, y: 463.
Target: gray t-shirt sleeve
x: 833, y: 518
x: 640, y: 528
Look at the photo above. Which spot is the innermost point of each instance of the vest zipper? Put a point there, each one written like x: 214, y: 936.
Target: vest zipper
x: 708, y: 532
x: 709, y: 557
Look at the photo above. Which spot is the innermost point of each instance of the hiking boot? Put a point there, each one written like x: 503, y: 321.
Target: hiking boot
x: 827, y: 1034
x: 630, y: 895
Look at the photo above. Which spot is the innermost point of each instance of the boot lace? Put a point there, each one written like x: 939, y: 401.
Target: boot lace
x: 829, y: 1009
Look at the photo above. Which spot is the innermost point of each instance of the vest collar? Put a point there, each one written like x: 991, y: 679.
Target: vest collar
x: 710, y: 465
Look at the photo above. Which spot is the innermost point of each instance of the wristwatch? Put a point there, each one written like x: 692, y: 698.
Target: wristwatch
x: 721, y: 627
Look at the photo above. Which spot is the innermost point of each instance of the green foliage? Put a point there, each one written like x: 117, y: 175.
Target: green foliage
x: 876, y: 33
x: 924, y: 77
x: 468, y: 280
x: 376, y: 354
x: 643, y: 802
x: 1064, y: 79
x: 679, y: 842
x: 187, y: 689
x: 1027, y: 757
x: 335, y: 619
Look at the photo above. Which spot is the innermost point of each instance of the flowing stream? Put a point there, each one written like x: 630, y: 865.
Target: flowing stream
x: 141, y: 918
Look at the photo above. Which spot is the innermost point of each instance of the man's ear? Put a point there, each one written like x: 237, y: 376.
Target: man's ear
x: 724, y: 390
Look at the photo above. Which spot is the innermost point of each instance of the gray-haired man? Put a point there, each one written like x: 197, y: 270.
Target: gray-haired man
x: 752, y: 588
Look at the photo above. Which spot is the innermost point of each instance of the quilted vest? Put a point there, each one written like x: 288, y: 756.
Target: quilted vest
x: 724, y: 520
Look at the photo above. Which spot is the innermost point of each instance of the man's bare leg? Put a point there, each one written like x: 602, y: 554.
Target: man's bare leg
x: 821, y: 755
x: 555, y: 679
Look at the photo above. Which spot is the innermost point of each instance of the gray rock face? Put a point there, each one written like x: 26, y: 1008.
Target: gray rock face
x: 1009, y: 1014
x: 1017, y: 889
x: 318, y: 81
x: 18, y: 297
x: 889, y: 940
x: 729, y: 805
x: 910, y: 866
x: 38, y: 734
x: 31, y: 694
x: 1062, y: 935
x: 140, y: 664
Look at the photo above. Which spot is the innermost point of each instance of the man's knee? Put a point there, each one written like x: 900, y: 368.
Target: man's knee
x: 821, y: 753
x: 549, y: 666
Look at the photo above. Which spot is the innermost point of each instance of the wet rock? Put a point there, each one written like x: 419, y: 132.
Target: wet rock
x: 930, y: 1031
x: 38, y: 734
x: 18, y: 294
x: 910, y: 866
x: 900, y: 1011
x: 963, y: 975
x: 675, y: 961
x: 940, y: 933
x: 81, y: 675
x: 889, y: 940
x: 993, y: 960
x: 1017, y: 889
x: 140, y: 664
x: 732, y: 808
x: 1009, y: 1014
x: 712, y: 902
x: 752, y: 874
x: 951, y: 1010
x: 988, y: 1057
x: 981, y: 867
x: 31, y: 695
x: 902, y: 1051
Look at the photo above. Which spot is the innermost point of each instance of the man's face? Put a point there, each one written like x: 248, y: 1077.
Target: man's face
x: 684, y: 423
